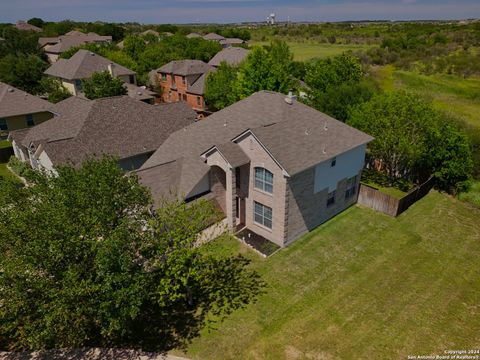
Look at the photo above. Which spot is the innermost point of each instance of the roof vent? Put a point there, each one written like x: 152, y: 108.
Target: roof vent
x: 10, y: 90
x: 306, y: 131
x: 92, y: 53
x: 290, y: 98
x: 324, y: 149
x: 325, y: 127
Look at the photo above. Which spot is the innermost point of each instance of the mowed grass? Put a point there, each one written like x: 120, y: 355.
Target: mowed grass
x: 449, y: 93
x: 5, y: 173
x: 473, y: 194
x: 362, y: 286
x: 309, y: 50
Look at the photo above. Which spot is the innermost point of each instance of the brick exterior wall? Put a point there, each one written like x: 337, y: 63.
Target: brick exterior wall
x: 306, y: 210
x: 218, y: 186
x: 179, y: 92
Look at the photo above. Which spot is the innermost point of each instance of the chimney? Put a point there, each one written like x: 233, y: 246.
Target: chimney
x: 111, y: 69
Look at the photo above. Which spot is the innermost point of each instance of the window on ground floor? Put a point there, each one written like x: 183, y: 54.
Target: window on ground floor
x: 29, y: 118
x: 263, y: 180
x: 262, y: 215
x: 331, y: 197
x: 3, y: 124
x: 351, y: 187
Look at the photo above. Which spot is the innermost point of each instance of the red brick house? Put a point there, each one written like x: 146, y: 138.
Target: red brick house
x: 184, y: 80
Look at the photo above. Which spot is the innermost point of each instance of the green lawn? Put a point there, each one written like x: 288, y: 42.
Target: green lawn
x: 5, y: 144
x: 362, y: 286
x: 310, y: 50
x: 447, y: 92
x: 473, y: 195
x: 4, y: 172
x: 396, y: 193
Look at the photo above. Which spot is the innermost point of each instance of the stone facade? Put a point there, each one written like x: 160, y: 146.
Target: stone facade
x: 306, y: 209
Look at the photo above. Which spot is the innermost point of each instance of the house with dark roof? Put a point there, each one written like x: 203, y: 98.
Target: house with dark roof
x: 274, y: 165
x: 184, y: 80
x: 232, y: 56
x: 118, y: 126
x: 55, y: 46
x: 19, y: 109
x: 84, y: 63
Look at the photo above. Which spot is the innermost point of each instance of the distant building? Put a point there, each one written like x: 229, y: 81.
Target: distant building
x: 194, y: 35
x: 84, y: 63
x: 55, y: 46
x: 232, y: 56
x: 24, y: 26
x: 184, y: 80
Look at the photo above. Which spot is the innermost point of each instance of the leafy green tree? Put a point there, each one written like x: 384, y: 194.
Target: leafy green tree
x: 333, y: 72
x: 219, y: 87
x: 265, y: 69
x: 133, y: 46
x: 412, y: 141
x: 38, y: 22
x: 102, y: 84
x: 54, y: 90
x: 337, y: 101
x: 23, y: 71
x: 86, y: 263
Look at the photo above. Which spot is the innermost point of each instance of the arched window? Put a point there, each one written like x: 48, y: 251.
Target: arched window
x: 263, y: 180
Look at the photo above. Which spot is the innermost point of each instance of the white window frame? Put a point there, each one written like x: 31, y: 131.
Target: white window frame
x: 262, y: 215
x: 261, y: 182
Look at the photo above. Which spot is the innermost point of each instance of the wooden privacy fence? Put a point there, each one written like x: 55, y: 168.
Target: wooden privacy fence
x: 373, y: 198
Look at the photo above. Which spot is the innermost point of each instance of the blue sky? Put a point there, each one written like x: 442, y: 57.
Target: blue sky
x: 188, y: 11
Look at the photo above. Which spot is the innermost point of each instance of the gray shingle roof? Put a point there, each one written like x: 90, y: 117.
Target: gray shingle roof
x: 23, y: 25
x: 118, y: 126
x: 185, y: 67
x: 292, y: 148
x: 233, y: 153
x: 17, y: 102
x: 71, y: 39
x: 139, y: 93
x: 193, y: 35
x: 214, y: 37
x: 232, y: 56
x: 198, y: 86
x: 82, y: 65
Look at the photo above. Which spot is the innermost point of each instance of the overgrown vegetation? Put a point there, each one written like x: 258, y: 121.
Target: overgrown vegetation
x: 102, y: 84
x: 86, y: 263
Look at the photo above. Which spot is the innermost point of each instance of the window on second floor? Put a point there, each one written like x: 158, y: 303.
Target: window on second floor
x: 333, y: 162
x: 3, y: 124
x: 199, y: 100
x: 263, y: 180
x: 351, y: 187
x: 29, y: 118
x: 164, y: 77
x: 131, y: 79
x: 331, y: 197
x: 78, y: 85
x: 184, y: 80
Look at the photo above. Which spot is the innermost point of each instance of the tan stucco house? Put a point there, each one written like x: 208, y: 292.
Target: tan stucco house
x: 84, y: 63
x: 273, y: 165
x: 120, y: 126
x: 19, y: 109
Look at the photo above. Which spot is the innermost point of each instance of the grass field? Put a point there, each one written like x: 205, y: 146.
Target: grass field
x: 309, y: 50
x: 473, y: 195
x: 448, y: 93
x: 362, y: 286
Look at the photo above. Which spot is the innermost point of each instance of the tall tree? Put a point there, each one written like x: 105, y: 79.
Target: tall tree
x: 102, y: 84
x: 23, y: 71
x: 219, y: 89
x: 86, y: 263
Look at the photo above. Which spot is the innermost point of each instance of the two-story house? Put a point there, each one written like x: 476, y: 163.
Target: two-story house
x: 184, y: 80
x: 274, y: 166
x: 19, y: 110
x: 84, y: 63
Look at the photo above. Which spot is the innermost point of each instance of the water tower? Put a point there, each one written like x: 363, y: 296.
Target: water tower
x: 271, y: 19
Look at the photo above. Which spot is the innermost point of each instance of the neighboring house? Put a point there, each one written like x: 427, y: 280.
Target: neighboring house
x: 193, y: 35
x: 55, y: 46
x: 274, y: 165
x: 150, y: 32
x: 232, y: 56
x: 225, y: 42
x: 184, y: 80
x: 19, y: 109
x: 118, y: 126
x: 84, y: 63
x: 24, y: 26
